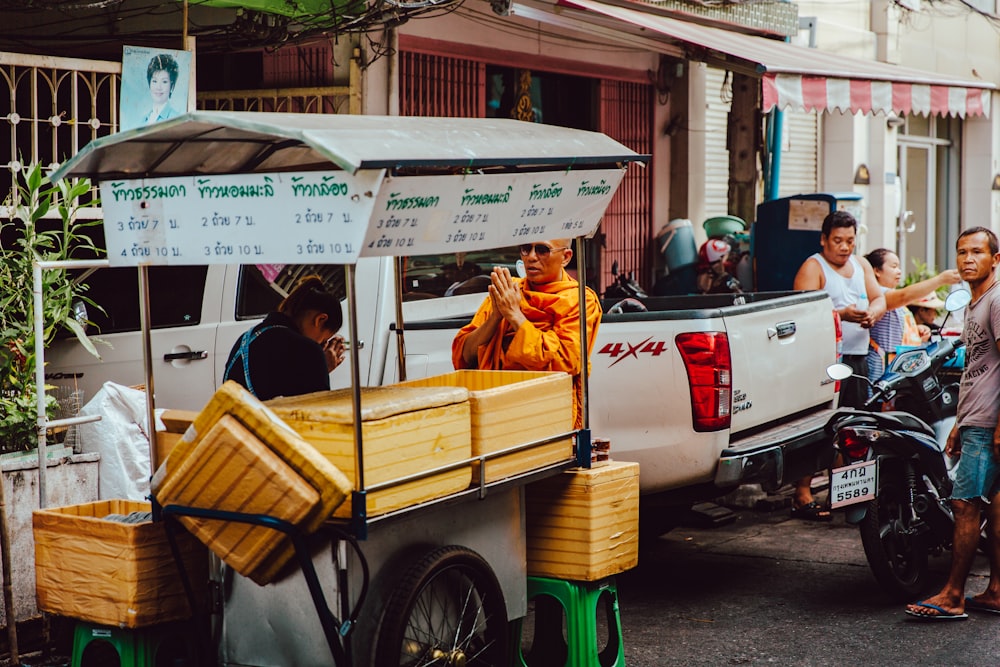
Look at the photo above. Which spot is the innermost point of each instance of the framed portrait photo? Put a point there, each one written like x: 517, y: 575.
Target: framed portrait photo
x: 155, y: 85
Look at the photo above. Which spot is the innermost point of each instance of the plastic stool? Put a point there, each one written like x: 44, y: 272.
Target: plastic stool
x: 100, y: 646
x: 566, y: 625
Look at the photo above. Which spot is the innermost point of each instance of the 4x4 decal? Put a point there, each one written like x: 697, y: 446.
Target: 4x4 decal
x: 647, y: 346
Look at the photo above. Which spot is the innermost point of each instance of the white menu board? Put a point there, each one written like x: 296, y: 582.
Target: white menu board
x: 282, y: 218
x: 420, y: 215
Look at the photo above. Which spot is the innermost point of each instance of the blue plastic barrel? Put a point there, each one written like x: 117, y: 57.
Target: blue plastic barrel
x: 675, y: 242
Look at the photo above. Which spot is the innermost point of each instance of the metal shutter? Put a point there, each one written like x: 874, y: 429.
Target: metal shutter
x: 798, y: 153
x: 718, y: 98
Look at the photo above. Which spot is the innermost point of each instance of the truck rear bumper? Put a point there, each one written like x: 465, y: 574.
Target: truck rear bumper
x: 772, y: 457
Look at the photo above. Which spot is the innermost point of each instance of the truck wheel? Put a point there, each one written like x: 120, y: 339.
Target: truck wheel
x: 447, y: 611
x: 896, y: 554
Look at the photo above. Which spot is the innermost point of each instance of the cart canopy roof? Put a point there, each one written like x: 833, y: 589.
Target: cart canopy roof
x: 218, y: 142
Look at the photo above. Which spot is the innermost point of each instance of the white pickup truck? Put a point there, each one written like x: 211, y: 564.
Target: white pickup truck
x: 705, y: 392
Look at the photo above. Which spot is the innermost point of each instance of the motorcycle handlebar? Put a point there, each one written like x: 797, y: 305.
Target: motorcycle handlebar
x: 885, y: 386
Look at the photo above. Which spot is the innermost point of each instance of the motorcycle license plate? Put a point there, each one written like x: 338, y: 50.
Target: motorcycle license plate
x: 853, y: 484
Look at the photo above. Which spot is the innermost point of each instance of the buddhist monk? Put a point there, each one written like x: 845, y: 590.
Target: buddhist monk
x: 531, y: 323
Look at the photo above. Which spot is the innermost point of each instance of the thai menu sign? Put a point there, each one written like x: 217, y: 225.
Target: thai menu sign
x: 419, y: 215
x: 334, y: 217
x: 306, y: 217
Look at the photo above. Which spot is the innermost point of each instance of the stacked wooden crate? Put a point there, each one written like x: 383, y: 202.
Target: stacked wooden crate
x: 584, y: 523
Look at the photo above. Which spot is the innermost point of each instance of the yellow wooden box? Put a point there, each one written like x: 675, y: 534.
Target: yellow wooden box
x: 584, y: 524
x: 405, y: 430
x: 113, y: 573
x: 231, y: 398
x: 510, y: 408
x: 264, y: 484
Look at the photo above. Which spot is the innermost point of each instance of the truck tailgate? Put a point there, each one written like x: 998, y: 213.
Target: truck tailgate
x: 780, y: 350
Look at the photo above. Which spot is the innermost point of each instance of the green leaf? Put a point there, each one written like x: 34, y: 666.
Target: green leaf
x: 82, y: 336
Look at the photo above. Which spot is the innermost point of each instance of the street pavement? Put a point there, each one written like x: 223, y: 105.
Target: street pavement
x: 771, y: 590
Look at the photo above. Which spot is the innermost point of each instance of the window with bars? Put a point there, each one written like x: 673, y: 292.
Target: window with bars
x: 53, y: 107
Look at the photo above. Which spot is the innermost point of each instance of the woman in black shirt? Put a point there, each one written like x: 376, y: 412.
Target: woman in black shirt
x: 294, y: 350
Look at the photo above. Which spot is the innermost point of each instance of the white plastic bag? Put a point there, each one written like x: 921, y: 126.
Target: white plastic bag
x: 121, y: 438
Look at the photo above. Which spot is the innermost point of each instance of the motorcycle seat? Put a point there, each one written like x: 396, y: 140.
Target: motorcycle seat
x: 908, y: 421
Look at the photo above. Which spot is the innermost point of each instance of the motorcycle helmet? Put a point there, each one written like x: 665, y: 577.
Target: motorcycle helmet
x: 713, y: 250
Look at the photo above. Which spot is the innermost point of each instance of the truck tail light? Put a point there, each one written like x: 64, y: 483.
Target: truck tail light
x: 838, y: 331
x: 710, y: 376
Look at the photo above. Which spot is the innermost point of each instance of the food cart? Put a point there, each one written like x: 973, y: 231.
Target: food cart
x: 434, y: 582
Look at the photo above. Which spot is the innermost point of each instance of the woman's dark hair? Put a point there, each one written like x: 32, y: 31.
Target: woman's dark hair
x: 877, y: 257
x: 310, y: 294
x: 163, y: 63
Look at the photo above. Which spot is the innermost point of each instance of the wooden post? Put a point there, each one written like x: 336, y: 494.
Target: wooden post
x: 743, y: 139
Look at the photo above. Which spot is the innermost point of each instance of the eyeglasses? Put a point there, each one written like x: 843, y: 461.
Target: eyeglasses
x: 541, y: 250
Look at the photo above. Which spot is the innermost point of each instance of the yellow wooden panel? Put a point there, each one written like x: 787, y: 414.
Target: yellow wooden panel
x: 232, y: 470
x: 395, y: 446
x: 584, y: 523
x: 509, y: 408
x: 112, y: 573
x: 331, y: 484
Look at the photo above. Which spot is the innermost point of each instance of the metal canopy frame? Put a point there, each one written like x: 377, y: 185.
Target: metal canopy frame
x: 191, y: 145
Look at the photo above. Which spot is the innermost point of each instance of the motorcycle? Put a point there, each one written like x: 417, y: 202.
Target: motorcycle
x: 627, y: 290
x: 894, y: 482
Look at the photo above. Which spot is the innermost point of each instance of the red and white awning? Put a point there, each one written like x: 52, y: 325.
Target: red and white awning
x: 797, y: 91
x: 795, y: 77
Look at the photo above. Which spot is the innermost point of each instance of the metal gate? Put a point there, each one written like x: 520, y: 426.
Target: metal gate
x: 626, y: 110
x: 436, y: 85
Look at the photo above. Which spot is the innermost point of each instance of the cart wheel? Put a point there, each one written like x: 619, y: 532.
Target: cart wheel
x: 447, y: 611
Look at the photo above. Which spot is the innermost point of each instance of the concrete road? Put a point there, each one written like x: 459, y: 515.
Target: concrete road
x: 771, y: 590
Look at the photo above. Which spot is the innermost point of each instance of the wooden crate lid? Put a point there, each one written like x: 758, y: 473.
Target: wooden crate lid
x: 232, y: 470
x: 376, y: 403
x: 613, y: 471
x: 487, y: 382
x: 231, y: 398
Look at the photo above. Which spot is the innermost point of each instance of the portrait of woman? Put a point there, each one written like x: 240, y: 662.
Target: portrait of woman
x: 161, y: 75
x: 155, y: 85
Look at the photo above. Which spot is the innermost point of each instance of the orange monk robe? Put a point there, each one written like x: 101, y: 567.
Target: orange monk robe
x: 548, y: 341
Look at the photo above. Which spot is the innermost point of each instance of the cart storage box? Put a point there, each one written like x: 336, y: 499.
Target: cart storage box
x: 110, y: 572
x: 510, y: 408
x: 265, y: 485
x: 176, y: 422
x: 584, y: 524
x: 183, y: 481
x: 405, y: 430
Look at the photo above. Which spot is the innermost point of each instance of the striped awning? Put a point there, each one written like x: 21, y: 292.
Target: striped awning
x: 800, y: 78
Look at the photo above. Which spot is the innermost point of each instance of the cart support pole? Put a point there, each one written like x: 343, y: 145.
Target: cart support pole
x: 400, y: 342
x: 41, y: 420
x: 583, y: 443
x: 359, y: 507
x: 147, y: 355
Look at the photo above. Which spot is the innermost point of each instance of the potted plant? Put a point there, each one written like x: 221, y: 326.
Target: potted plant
x: 26, y: 235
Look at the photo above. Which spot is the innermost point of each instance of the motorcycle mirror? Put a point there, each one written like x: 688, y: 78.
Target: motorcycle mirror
x: 614, y: 268
x: 957, y: 300
x: 839, y: 372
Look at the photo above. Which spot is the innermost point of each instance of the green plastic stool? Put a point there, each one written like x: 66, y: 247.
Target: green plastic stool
x: 566, y: 625
x: 166, y: 645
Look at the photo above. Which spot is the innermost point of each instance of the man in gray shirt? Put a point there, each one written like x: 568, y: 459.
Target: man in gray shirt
x: 976, y: 436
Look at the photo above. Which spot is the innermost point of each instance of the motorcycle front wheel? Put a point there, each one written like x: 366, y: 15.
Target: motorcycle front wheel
x: 896, y: 553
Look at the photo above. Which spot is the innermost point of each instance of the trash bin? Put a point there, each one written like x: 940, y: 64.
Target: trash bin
x: 787, y: 232
x: 675, y: 241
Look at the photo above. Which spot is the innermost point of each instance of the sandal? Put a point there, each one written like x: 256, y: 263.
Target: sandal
x: 812, y: 512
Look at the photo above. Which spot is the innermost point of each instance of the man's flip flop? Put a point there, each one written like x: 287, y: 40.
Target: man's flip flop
x: 976, y: 605
x: 941, y: 615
